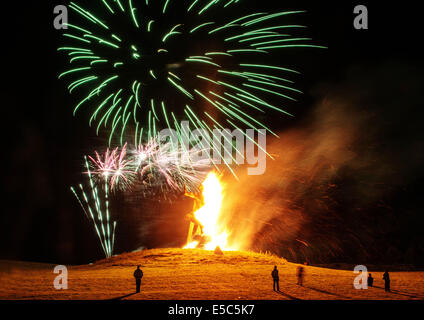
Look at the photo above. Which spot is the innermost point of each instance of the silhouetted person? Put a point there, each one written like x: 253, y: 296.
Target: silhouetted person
x: 386, y: 279
x: 370, y: 280
x: 276, y: 279
x: 138, y: 274
x: 300, y: 274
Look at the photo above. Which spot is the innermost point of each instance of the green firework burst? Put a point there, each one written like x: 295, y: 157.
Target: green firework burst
x: 140, y: 66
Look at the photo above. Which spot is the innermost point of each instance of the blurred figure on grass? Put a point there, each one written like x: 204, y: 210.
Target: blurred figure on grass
x: 386, y: 278
x: 300, y: 272
x: 276, y: 278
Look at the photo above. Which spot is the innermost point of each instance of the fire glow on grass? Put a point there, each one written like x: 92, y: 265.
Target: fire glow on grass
x: 209, y: 215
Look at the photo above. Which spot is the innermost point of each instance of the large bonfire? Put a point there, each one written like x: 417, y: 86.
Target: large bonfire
x: 206, y: 228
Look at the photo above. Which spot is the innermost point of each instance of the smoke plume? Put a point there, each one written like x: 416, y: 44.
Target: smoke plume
x: 341, y: 179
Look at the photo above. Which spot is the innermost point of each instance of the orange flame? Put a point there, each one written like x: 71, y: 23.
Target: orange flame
x: 208, y: 215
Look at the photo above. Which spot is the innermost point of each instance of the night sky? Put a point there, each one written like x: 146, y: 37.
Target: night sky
x: 380, y: 69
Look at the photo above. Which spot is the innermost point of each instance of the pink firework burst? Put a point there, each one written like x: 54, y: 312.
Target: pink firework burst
x: 123, y: 170
x: 113, y: 167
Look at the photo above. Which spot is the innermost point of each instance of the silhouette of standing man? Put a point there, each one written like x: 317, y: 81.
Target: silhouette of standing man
x: 275, y: 277
x: 370, y: 280
x: 299, y: 274
x: 138, y: 274
x: 386, y: 279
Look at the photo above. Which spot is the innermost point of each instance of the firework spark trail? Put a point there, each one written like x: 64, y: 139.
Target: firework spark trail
x: 91, y: 216
x: 100, y: 220
x: 184, y: 62
x: 95, y: 195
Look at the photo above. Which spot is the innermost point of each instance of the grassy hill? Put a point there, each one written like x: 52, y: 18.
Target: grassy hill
x: 197, y: 274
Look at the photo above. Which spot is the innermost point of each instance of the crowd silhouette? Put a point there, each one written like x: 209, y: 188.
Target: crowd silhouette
x: 300, y: 275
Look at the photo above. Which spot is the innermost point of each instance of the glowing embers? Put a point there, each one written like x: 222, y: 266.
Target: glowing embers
x: 205, y: 230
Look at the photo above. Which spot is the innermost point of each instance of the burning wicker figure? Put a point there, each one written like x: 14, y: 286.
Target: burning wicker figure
x: 195, y: 231
x: 205, y: 230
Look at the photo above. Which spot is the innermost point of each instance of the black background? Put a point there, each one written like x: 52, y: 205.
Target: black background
x: 43, y: 143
